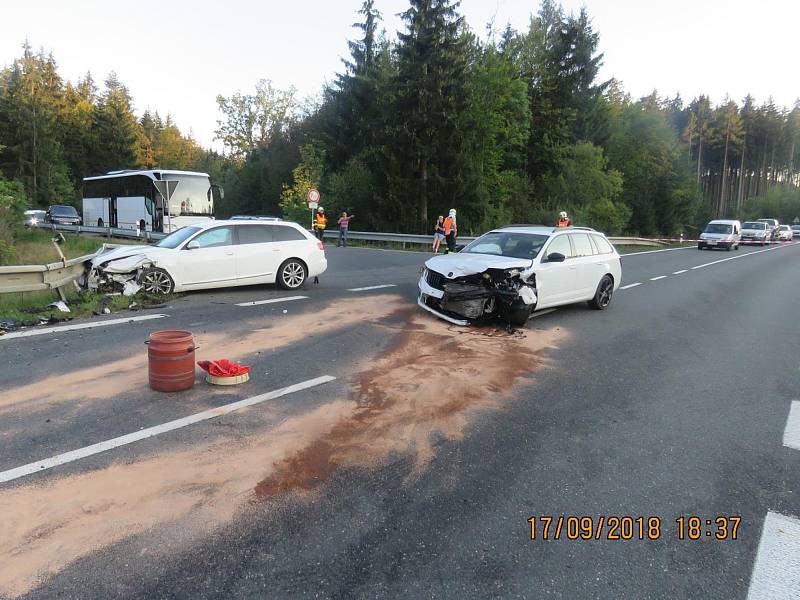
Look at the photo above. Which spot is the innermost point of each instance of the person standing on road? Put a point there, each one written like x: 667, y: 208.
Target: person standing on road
x: 563, y: 220
x: 344, y: 223
x: 450, y: 231
x: 320, y: 223
x: 438, y: 234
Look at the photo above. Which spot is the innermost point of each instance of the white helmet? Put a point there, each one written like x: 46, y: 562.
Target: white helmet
x: 452, y: 212
x: 320, y: 209
x: 563, y: 214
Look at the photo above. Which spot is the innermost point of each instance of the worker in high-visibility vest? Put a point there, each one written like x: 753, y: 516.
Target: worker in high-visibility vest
x: 450, y: 231
x: 563, y: 220
x: 320, y: 223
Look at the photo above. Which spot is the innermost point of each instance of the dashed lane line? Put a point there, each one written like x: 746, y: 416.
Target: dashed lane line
x: 271, y: 301
x: 142, y: 434
x: 372, y: 287
x: 681, y: 271
x: 92, y: 325
x: 722, y: 260
x: 657, y: 278
x: 791, y: 434
x: 776, y: 573
x: 629, y: 286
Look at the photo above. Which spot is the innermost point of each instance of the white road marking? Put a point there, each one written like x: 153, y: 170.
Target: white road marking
x: 74, y: 455
x: 681, y: 271
x: 372, y: 287
x: 657, y: 278
x: 542, y: 313
x: 653, y: 251
x: 791, y: 434
x: 92, y: 325
x: 629, y: 286
x: 716, y: 262
x: 271, y: 301
x: 776, y: 573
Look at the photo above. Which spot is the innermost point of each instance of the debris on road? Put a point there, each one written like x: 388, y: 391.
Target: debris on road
x: 170, y: 358
x: 60, y: 305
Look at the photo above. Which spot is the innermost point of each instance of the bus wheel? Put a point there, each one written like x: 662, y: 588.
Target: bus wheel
x: 156, y: 281
x: 142, y: 226
x: 99, y: 222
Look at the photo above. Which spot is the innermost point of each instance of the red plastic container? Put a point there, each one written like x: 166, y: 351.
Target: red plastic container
x: 170, y: 357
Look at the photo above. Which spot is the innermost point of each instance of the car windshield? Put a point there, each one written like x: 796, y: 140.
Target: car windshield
x: 718, y: 228
x: 64, y: 211
x: 785, y: 228
x: 506, y: 243
x: 176, y: 238
x: 754, y: 225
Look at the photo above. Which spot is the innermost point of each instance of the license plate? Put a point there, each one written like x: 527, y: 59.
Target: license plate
x: 711, y: 243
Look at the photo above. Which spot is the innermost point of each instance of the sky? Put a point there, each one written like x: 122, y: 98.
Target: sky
x: 176, y: 56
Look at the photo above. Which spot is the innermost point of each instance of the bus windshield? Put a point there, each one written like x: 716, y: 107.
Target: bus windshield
x: 191, y: 196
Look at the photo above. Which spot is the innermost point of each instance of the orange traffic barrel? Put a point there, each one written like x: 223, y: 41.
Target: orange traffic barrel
x: 170, y: 357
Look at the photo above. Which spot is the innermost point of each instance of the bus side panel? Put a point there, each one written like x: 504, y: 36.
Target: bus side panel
x: 131, y: 211
x: 95, y: 211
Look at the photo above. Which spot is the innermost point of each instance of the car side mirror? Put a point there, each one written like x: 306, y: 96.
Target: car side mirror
x: 556, y: 257
x: 193, y: 245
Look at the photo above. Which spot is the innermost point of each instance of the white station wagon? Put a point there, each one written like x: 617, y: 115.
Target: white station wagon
x: 210, y: 255
x: 512, y: 271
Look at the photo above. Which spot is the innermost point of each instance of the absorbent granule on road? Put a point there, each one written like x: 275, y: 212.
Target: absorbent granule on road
x: 130, y: 373
x: 428, y: 381
x: 397, y: 404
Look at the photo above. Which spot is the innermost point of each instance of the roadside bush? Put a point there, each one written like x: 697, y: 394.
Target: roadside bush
x: 12, y: 207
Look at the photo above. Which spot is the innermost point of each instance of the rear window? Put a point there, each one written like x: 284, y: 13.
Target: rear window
x: 282, y: 233
x: 754, y: 225
x: 255, y: 234
x: 603, y: 245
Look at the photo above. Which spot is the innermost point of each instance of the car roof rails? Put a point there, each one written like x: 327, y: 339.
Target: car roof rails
x: 573, y: 228
x: 523, y: 225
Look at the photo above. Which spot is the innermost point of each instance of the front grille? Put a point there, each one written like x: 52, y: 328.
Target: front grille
x: 435, y: 280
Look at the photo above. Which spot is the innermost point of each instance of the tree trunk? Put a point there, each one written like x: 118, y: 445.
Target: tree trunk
x: 722, y: 199
x: 423, y: 197
x: 740, y: 191
x: 699, y: 158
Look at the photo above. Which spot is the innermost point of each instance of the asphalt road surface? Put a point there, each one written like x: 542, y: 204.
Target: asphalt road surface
x: 414, y: 473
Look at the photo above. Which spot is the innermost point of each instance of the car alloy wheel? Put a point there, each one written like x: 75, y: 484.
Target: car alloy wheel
x: 292, y: 275
x: 156, y: 281
x: 602, y: 297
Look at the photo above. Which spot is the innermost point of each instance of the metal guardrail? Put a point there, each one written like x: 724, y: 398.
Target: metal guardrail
x: 368, y: 236
x: 145, y: 236
x: 32, y: 278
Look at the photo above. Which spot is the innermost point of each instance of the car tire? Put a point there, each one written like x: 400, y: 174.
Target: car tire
x: 699, y: 247
x: 156, y: 281
x: 602, y: 297
x: 99, y: 222
x: 292, y: 274
x: 729, y: 248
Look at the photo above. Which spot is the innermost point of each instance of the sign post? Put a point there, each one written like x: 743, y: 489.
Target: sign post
x: 313, y: 203
x: 166, y: 187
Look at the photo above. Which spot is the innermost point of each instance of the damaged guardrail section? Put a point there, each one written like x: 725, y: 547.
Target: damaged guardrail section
x: 52, y: 276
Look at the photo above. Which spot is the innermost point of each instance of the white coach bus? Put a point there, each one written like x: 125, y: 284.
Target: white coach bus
x: 130, y: 200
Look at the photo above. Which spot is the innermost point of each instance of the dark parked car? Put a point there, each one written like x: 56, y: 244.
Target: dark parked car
x: 61, y: 214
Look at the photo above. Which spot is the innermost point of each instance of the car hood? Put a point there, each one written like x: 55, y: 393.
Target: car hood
x: 745, y: 230
x: 463, y: 264
x: 144, y: 252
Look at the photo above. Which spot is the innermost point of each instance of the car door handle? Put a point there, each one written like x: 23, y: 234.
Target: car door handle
x: 276, y: 249
x: 229, y: 254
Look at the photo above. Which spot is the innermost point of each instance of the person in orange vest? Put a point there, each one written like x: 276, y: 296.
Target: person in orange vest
x: 563, y: 220
x: 320, y: 223
x: 450, y: 231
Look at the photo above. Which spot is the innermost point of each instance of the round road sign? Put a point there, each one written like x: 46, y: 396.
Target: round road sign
x: 313, y: 195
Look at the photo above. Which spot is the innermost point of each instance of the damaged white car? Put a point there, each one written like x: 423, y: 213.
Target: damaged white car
x: 510, y: 272
x: 211, y: 255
